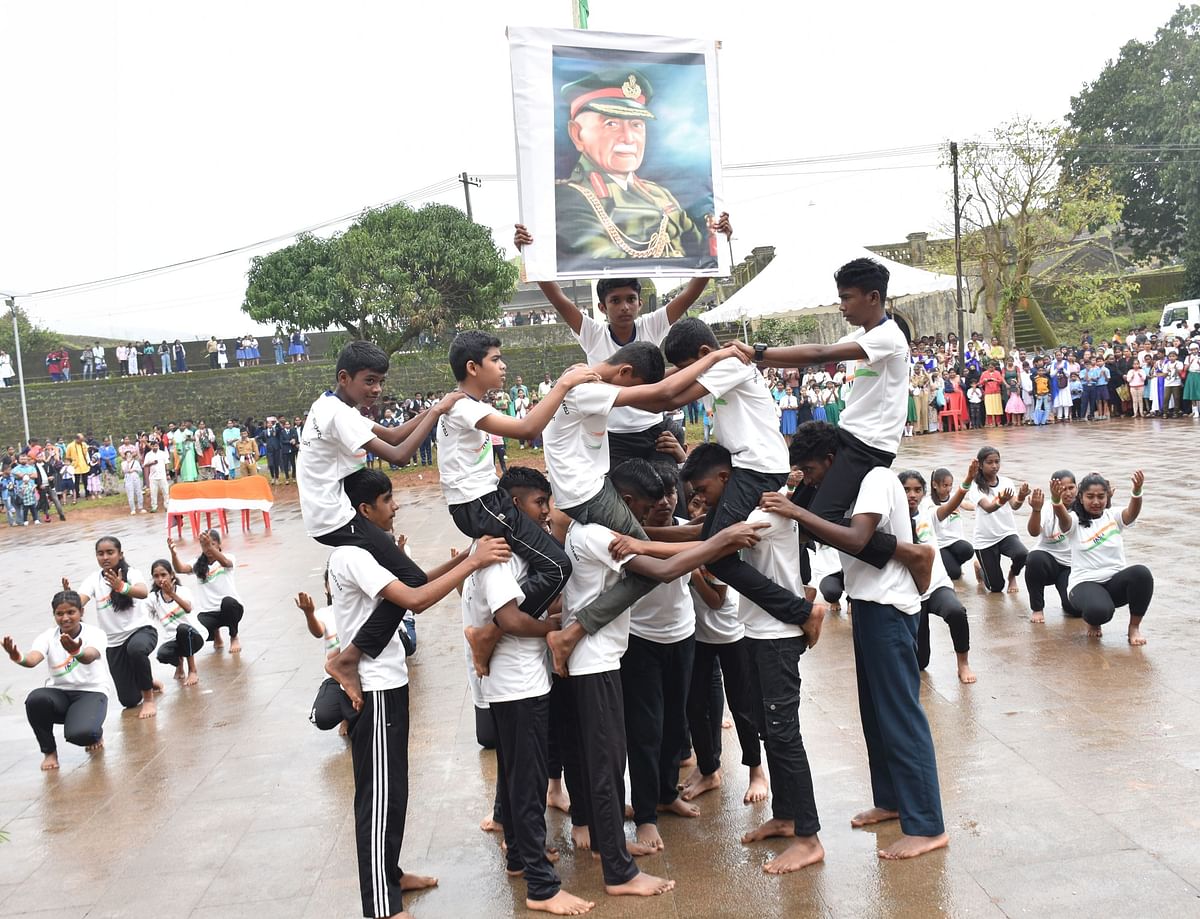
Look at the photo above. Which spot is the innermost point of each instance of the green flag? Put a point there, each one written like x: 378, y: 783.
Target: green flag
x: 582, y: 14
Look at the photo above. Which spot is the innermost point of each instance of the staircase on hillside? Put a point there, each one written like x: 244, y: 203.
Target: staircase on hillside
x: 1026, y: 333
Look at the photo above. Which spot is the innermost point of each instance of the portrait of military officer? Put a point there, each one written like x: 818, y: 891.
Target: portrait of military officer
x: 604, y: 210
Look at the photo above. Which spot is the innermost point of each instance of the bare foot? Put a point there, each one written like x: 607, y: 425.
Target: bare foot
x: 488, y: 825
x: 812, y: 625
x: 805, y: 851
x: 918, y: 559
x: 344, y: 729
x: 562, y: 643
x: 1136, y: 638
x: 835, y: 608
x: 726, y: 724
x: 772, y: 829
x: 1094, y: 631
x: 636, y: 849
x: 147, y: 709
x: 156, y: 686
x: 561, y: 904
x: 692, y: 778
x: 483, y: 641
x: 873, y: 816
x: 758, y: 789
x: 417, y: 881
x: 50, y: 762
x: 552, y: 855
x: 345, y: 670
x: 95, y: 747
x: 218, y: 643
x: 688, y: 762
x: 179, y: 672
x: 641, y: 885
x: 912, y: 846
x: 1013, y: 587
x: 965, y: 673
x: 628, y: 811
x: 978, y: 571
x: 556, y: 797
x: 1037, y: 616
x: 581, y: 837
x: 647, y: 835
x: 235, y: 646
x: 192, y: 679
x: 701, y: 785
x: 679, y: 809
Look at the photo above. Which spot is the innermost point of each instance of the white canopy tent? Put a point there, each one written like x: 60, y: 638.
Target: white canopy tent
x: 800, y: 277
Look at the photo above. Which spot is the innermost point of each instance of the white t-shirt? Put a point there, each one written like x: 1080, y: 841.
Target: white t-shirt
x: 464, y: 457
x: 777, y: 555
x: 156, y: 463
x: 826, y: 560
x: 356, y: 580
x: 719, y: 626
x: 598, y: 344
x: 66, y: 671
x: 877, y: 408
x: 118, y: 625
x: 332, y: 446
x: 745, y: 416
x: 519, y: 668
x: 216, y: 585
x: 948, y: 531
x: 168, y: 614
x: 1052, y: 539
x: 595, y: 571
x: 666, y: 614
x: 1098, y: 551
x: 993, y: 527
x: 881, y: 493
x: 328, y: 619
x: 576, y: 443
x: 927, y: 536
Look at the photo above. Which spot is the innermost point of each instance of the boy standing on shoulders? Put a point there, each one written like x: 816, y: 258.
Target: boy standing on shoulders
x: 904, y: 778
x: 379, y: 737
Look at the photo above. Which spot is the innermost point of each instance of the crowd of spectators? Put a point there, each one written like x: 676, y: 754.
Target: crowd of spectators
x: 528, y: 317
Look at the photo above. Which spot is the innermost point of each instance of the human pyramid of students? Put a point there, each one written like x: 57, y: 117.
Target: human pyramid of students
x: 605, y: 605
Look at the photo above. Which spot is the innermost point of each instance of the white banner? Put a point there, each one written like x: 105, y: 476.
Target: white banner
x: 618, y: 154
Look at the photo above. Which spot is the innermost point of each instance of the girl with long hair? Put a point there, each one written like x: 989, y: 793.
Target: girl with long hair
x: 1049, y: 564
x: 171, y: 607
x: 996, y: 498
x: 216, y: 593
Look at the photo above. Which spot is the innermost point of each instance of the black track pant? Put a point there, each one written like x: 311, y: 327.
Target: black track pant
x: 229, y: 616
x: 1043, y: 570
x: 129, y: 664
x: 704, y: 711
x: 954, y: 556
x: 741, y: 496
x: 989, y: 560
x: 832, y: 586
x: 80, y: 713
x: 775, y: 688
x: 274, y: 462
x: 331, y: 706
x: 187, y: 641
x: 833, y: 500
x: 522, y: 727
x: 494, y: 515
x: 387, y: 617
x: 654, y: 682
x: 943, y: 602
x: 379, y: 750
x: 1097, y: 601
x: 600, y: 803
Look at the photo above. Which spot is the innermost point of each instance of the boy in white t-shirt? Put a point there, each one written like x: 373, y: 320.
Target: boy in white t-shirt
x: 633, y: 430
x: 379, y: 736
x: 872, y: 423
x: 773, y: 650
x: 468, y: 474
x: 597, y: 754
x: 886, y: 603
x: 334, y: 443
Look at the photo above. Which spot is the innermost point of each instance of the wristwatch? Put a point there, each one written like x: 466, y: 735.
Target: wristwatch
x: 760, y: 353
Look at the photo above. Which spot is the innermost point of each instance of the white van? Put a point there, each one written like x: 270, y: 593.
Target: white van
x: 1179, y: 318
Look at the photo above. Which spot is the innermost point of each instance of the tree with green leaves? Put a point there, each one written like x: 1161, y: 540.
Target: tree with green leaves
x: 1021, y: 216
x: 35, y: 340
x: 1140, y: 120
x: 394, y: 276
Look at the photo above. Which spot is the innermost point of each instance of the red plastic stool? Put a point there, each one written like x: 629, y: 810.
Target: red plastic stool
x: 948, y: 414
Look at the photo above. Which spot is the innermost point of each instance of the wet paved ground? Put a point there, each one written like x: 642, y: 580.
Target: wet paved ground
x: 1070, y: 772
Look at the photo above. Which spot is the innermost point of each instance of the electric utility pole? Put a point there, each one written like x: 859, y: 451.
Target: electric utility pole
x: 962, y: 341
x: 467, y: 182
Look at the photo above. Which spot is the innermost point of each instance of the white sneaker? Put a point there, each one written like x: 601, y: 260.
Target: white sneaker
x: 133, y: 513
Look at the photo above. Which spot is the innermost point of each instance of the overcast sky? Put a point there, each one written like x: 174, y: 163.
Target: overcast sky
x: 144, y: 133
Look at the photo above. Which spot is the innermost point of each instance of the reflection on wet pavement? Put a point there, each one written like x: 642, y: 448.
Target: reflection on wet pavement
x: 1069, y: 772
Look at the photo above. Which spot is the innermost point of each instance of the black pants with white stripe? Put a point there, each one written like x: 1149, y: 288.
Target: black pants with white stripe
x: 521, y: 776
x: 379, y: 750
x: 989, y: 561
x: 494, y: 515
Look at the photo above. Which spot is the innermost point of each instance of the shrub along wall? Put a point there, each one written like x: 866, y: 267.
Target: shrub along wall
x: 125, y: 405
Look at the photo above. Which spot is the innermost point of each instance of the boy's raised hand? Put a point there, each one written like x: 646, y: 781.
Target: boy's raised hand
x: 578, y: 373
x: 305, y: 603
x: 521, y: 237
x: 745, y: 350
x: 10, y: 646
x: 722, y: 225
x: 1138, y: 479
